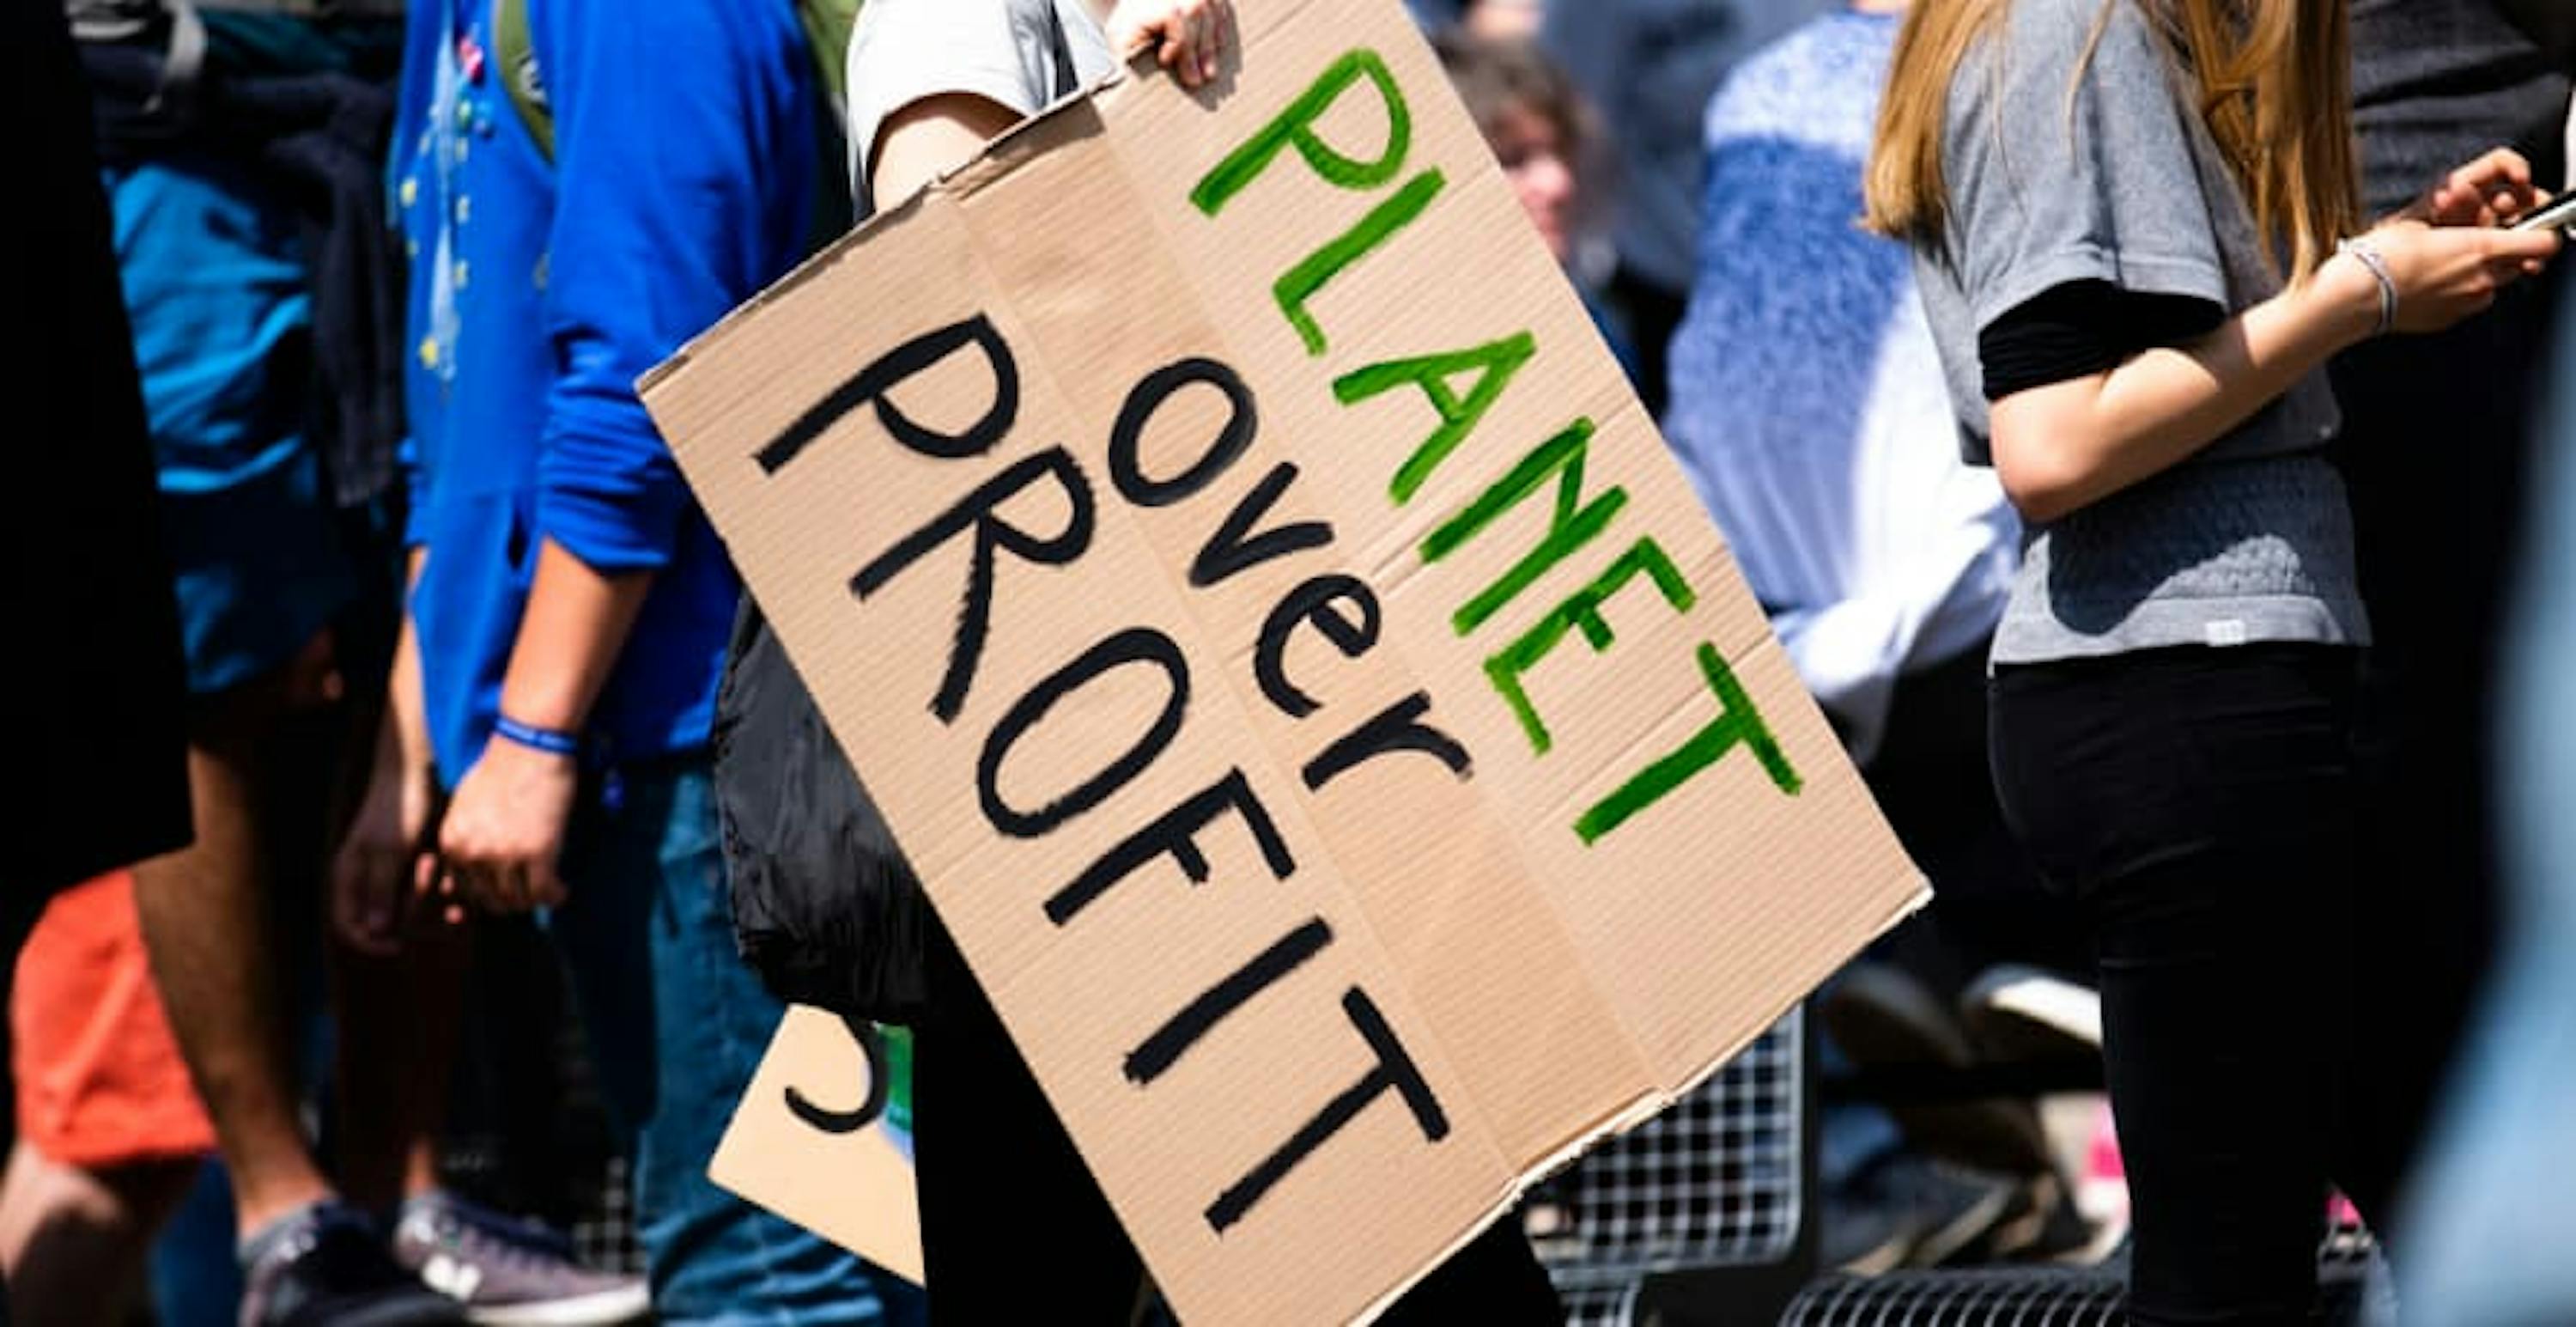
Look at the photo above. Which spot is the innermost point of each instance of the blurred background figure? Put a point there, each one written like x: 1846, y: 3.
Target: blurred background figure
x: 99, y: 715
x: 1647, y: 67
x: 2485, y: 1233
x: 1650, y: 67
x: 243, y: 152
x: 110, y: 1133
x: 103, y: 723
x: 2436, y: 539
x: 242, y: 156
x: 1548, y: 143
x: 1808, y: 408
x: 1503, y: 20
x: 2487, y: 1230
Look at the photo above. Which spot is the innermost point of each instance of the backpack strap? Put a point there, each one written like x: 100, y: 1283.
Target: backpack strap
x: 827, y: 25
x: 514, y: 56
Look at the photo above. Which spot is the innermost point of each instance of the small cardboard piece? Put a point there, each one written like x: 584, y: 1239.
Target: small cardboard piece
x: 850, y: 1182
x: 1360, y: 781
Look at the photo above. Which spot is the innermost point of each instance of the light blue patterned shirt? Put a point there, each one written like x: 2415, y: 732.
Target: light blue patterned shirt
x: 1808, y: 405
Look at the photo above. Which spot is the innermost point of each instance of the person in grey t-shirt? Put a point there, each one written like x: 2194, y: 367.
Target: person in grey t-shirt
x: 2132, y: 297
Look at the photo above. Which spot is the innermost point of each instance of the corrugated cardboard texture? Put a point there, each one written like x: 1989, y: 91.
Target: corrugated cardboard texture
x: 1615, y: 841
x: 855, y: 1187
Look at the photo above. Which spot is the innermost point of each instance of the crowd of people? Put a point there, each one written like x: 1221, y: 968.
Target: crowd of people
x: 2123, y: 410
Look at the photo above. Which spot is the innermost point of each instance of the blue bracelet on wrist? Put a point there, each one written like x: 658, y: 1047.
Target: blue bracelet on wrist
x: 549, y: 740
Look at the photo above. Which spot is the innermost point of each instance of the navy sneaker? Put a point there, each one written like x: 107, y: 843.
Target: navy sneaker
x: 326, y: 1266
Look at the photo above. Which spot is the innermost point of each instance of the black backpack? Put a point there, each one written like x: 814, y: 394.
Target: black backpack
x: 825, y: 907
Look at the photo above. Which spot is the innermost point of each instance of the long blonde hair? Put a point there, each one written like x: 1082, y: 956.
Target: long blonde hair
x: 2274, y: 84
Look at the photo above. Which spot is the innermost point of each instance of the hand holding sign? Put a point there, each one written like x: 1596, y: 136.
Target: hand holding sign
x: 1189, y: 38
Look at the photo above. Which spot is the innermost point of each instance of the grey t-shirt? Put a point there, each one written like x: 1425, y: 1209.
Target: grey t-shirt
x: 2063, y: 170
x: 1023, y: 54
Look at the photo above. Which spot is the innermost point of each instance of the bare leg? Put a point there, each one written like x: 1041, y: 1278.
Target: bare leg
x: 72, y: 1241
x: 400, y: 1019
x: 207, y: 924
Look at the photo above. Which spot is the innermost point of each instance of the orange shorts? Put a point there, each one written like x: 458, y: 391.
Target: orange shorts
x: 100, y: 1082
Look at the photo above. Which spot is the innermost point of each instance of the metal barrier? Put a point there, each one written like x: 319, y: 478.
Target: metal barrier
x: 1718, y: 1181
x: 2351, y: 1285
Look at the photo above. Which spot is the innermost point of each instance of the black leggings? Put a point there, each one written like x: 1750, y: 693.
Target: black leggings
x: 2200, y: 805
x: 1014, y: 1228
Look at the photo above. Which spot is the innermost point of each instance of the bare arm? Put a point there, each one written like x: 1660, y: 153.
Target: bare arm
x: 927, y: 138
x: 388, y: 853
x: 930, y: 137
x: 2070, y: 444
x: 576, y: 623
x: 404, y: 742
x: 502, y: 840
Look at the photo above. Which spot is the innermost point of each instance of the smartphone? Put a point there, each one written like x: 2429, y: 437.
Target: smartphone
x: 2560, y: 215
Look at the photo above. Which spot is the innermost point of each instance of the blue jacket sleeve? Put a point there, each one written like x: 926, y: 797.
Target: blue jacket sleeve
x: 684, y: 160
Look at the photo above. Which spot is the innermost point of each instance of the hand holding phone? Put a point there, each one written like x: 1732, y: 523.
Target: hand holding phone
x: 2558, y: 215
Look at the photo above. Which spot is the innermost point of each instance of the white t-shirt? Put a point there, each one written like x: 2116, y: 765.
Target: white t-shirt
x: 1023, y: 54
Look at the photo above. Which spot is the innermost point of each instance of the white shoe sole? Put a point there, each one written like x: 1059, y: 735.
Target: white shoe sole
x: 2059, y: 1007
x: 602, y: 1309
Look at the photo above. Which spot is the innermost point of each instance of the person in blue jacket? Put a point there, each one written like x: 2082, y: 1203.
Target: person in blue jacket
x: 570, y: 603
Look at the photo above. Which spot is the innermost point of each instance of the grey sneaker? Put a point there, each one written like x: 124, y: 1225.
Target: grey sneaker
x: 326, y: 1266
x: 509, y: 1272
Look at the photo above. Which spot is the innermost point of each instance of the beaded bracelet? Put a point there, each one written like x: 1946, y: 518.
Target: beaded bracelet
x: 2370, y: 257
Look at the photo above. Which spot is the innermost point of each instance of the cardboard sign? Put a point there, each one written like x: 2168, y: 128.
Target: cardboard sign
x: 1317, y: 705
x: 824, y: 1138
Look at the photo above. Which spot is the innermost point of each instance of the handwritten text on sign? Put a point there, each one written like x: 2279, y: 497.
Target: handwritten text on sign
x: 1335, y: 605
x: 1179, y: 515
